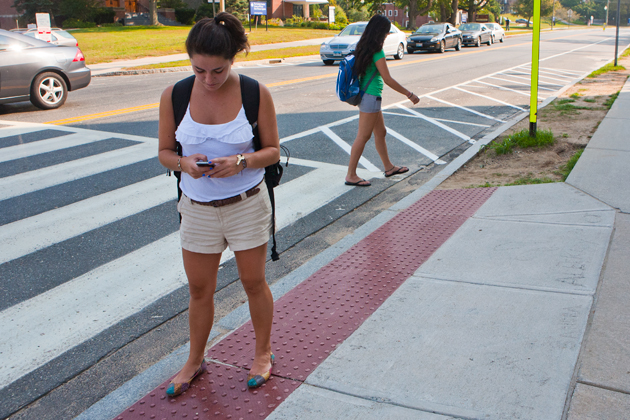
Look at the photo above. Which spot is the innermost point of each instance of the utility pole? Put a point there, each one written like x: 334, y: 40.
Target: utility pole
x: 617, y: 36
x: 533, y: 98
x: 606, y: 8
x: 553, y: 14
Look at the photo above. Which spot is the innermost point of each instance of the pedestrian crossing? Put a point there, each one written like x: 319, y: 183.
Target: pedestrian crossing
x: 88, y: 226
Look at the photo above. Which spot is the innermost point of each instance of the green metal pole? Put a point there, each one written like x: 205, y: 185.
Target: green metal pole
x: 533, y: 99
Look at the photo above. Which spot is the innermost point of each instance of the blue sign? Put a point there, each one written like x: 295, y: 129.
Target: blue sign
x: 258, y: 8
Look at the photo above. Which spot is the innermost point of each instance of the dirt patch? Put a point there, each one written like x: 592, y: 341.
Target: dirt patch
x: 572, y: 118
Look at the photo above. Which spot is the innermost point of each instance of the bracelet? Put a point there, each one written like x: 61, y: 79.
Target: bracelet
x: 179, y: 164
x: 410, y: 95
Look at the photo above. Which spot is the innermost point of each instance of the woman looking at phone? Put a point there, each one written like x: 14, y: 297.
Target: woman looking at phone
x: 224, y: 201
x: 371, y: 64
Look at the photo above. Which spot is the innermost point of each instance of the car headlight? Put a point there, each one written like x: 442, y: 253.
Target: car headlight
x: 353, y: 46
x: 325, y: 46
x: 434, y: 39
x: 408, y: 39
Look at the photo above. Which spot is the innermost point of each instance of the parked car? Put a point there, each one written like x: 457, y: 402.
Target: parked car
x: 38, y: 71
x: 435, y: 37
x: 521, y: 20
x: 475, y: 34
x: 59, y: 36
x: 341, y: 45
x: 497, y: 32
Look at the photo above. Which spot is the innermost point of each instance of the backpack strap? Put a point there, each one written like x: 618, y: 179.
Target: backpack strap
x: 250, y: 96
x: 180, y: 97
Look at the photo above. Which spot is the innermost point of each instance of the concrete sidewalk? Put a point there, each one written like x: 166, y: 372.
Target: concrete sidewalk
x: 508, y: 303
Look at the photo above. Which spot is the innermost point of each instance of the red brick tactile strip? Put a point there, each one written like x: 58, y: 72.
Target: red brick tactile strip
x: 316, y: 316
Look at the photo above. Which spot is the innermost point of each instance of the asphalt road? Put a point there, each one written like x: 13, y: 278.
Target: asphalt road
x: 91, y: 286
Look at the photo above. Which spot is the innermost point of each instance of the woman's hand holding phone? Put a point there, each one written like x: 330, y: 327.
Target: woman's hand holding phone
x: 196, y: 165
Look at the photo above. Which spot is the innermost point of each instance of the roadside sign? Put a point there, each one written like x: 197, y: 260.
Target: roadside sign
x: 43, y: 27
x: 258, y: 8
x: 331, y: 14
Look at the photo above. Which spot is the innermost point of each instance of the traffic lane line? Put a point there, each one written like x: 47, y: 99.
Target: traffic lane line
x: 283, y: 83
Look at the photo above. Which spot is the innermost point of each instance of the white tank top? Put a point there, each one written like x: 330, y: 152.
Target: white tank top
x: 217, y: 140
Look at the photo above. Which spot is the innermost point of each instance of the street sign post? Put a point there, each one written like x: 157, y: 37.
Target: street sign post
x: 43, y: 27
x: 533, y: 99
x: 258, y: 8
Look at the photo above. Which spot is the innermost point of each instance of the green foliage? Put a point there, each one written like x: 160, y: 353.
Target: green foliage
x: 104, y: 15
x: 523, y: 140
x: 28, y: 8
x: 83, y: 10
x: 238, y: 8
x: 316, y: 12
x: 185, y: 16
x: 173, y: 4
x: 566, y: 169
x: 525, y: 8
x: 590, y: 100
x: 358, y: 15
x: 340, y: 16
x: 528, y: 180
x: 205, y: 10
x: 275, y: 22
x: 76, y: 23
x: 611, y: 100
x: 608, y: 67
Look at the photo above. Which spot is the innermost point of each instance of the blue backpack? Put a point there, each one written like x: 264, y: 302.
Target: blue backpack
x: 348, y: 86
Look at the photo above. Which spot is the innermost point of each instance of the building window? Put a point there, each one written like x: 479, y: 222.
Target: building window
x: 389, y: 13
x: 298, y: 10
x: 396, y: 13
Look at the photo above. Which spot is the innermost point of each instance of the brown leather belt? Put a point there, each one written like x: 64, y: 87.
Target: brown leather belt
x: 229, y: 200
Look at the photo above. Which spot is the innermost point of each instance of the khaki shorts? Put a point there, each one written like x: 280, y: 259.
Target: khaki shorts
x: 241, y: 226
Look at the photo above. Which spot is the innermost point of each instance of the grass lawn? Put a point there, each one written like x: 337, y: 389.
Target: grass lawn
x: 102, y: 45
x: 258, y: 55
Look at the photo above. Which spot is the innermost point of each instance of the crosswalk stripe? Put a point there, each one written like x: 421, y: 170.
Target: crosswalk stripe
x: 39, y: 329
x: 50, y: 145
x: 491, y: 99
x: 472, y: 111
x: 346, y: 147
x: 435, y: 158
x: 435, y: 122
x: 66, y: 222
x: 28, y: 182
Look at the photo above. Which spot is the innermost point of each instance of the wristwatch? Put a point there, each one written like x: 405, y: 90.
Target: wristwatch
x: 239, y: 159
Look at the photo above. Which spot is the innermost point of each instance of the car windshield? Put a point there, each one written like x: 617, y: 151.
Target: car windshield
x: 470, y: 27
x: 430, y: 29
x: 353, y: 30
x: 34, y: 35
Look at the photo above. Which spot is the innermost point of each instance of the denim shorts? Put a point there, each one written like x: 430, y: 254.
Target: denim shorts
x: 370, y: 104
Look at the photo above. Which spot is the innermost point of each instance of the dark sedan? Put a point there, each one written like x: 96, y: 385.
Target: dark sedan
x: 434, y: 37
x: 475, y: 34
x: 35, y: 70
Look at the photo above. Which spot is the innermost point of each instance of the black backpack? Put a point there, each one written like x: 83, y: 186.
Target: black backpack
x: 250, y: 95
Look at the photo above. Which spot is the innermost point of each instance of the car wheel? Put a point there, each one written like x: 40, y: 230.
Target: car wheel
x: 478, y: 43
x: 329, y: 62
x: 459, y: 45
x: 410, y: 50
x: 442, y: 46
x: 48, y: 91
x: 490, y: 40
x: 401, y: 52
x: 502, y: 38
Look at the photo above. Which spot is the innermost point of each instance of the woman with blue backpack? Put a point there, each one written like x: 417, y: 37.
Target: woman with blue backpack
x: 371, y: 67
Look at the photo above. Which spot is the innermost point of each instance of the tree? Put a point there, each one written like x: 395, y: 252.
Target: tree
x: 83, y: 10
x: 153, y: 12
x: 526, y: 8
x: 28, y: 8
x: 415, y: 8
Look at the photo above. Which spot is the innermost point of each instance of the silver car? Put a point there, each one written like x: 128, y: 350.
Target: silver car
x: 341, y: 45
x: 475, y: 34
x: 58, y: 36
x: 498, y: 34
x: 38, y: 71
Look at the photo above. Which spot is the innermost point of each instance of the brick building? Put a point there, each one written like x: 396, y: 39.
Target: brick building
x: 401, y: 16
x: 8, y: 15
